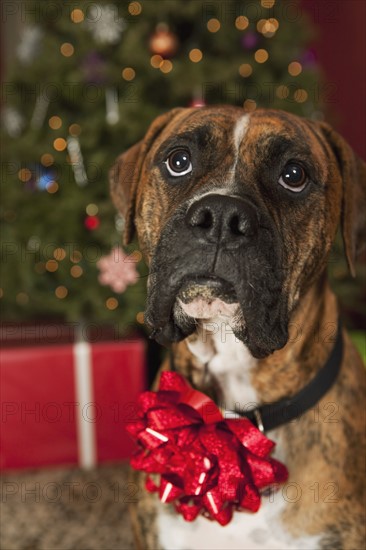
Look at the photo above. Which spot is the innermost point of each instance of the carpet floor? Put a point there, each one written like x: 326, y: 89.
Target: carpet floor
x: 63, y: 509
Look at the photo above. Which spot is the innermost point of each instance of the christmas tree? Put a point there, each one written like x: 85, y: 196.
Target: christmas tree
x: 88, y: 79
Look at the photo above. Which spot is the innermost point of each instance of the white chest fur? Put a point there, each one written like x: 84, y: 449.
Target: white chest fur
x: 260, y: 531
x: 231, y: 363
x: 228, y: 360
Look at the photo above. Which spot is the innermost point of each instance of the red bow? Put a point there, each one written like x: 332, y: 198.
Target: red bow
x: 207, y: 465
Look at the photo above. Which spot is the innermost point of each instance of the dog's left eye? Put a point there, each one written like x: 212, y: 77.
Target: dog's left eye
x: 179, y: 163
x: 293, y: 177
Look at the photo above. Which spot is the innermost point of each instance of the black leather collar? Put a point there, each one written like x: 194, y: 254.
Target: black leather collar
x: 268, y: 417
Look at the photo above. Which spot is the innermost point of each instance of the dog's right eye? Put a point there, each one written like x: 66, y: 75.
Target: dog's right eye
x: 293, y: 177
x: 179, y: 163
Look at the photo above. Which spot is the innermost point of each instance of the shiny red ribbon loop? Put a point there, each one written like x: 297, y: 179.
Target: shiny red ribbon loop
x: 207, y: 465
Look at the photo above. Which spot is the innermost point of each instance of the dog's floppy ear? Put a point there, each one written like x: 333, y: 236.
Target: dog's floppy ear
x: 123, y: 187
x: 353, y: 218
x: 125, y: 173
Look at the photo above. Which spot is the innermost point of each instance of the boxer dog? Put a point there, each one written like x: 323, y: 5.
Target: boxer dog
x: 236, y: 213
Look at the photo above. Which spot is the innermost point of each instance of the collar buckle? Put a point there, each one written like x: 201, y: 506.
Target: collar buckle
x: 258, y: 419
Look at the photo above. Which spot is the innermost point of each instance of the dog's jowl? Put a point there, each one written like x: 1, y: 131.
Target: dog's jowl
x: 236, y: 214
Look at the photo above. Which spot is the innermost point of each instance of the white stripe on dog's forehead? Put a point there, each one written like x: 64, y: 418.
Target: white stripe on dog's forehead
x: 240, y: 129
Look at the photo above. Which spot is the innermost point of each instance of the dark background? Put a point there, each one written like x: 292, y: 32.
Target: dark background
x: 340, y: 48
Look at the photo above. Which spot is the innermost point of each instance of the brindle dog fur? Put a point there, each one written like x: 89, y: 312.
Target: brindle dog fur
x: 288, y: 314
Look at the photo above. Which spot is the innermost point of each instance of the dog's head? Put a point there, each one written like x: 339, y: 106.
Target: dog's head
x: 236, y: 214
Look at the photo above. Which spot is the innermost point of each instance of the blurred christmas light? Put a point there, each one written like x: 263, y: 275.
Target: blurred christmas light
x: 51, y: 266
x: 274, y: 22
x: 163, y: 41
x: 67, y: 49
x: 260, y: 24
x: 213, y: 25
x: 140, y: 318
x: 92, y: 209
x: 47, y: 159
x: 55, y: 122
x: 76, y: 271
x: 267, y: 3
x: 37, y: 177
x: 241, y: 23
x: 111, y: 303
x: 24, y: 174
x: 45, y: 179
x: 76, y: 256
x: 166, y: 66
x: 59, y: 254
x: 34, y: 243
x: 261, y: 56
x: 61, y: 292
x: 245, y: 69
x: 300, y: 96
x: 195, y: 55
x: 92, y: 222
x: 134, y: 8
x: 60, y: 144
x: 74, y: 130
x: 267, y: 27
x: 295, y: 68
x: 77, y: 16
x: 52, y: 187
x: 197, y: 102
x: 128, y: 73
x: 282, y: 91
x: 156, y: 61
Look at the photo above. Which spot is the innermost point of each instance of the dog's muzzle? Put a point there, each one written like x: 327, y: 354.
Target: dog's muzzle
x: 223, y: 222
x: 218, y: 256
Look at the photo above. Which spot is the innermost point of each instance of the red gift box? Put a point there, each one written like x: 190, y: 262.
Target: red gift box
x: 68, y: 404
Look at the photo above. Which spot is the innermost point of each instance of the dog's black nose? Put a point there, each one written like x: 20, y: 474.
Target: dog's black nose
x: 223, y: 219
